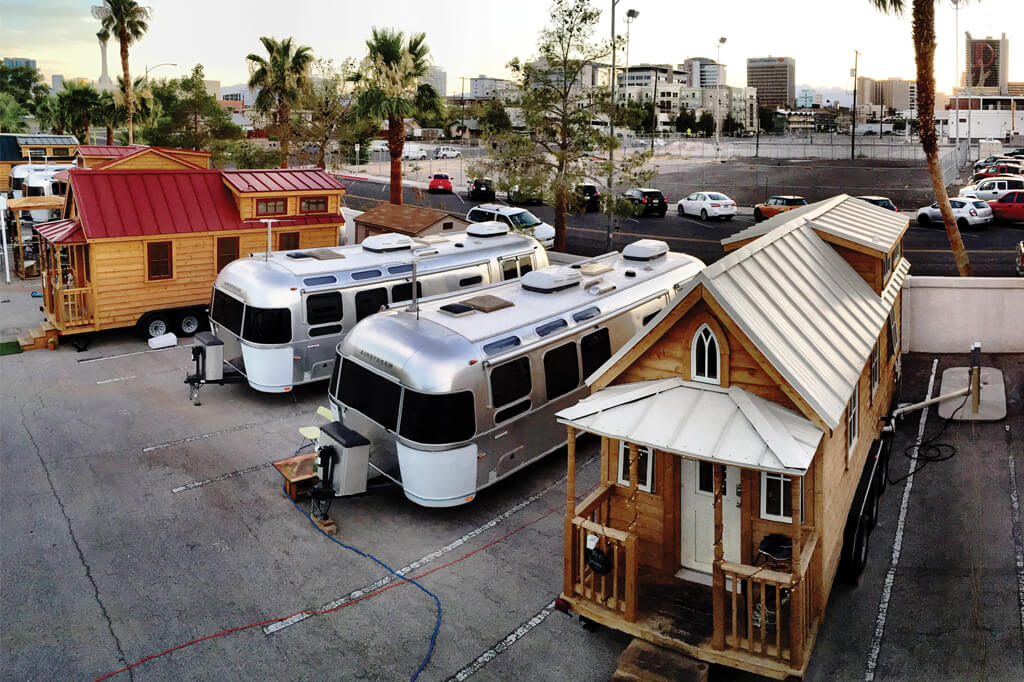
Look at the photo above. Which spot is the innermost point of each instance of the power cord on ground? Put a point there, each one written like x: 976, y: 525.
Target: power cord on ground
x: 928, y: 451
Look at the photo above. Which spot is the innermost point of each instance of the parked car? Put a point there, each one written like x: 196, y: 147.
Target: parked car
x: 378, y: 146
x: 588, y: 197
x: 1009, y: 207
x: 522, y: 195
x: 982, y: 163
x: 647, y: 201
x: 481, y: 188
x: 707, y: 205
x: 440, y: 182
x: 884, y: 202
x: 993, y: 188
x: 415, y: 153
x: 998, y: 169
x: 516, y: 218
x: 447, y: 152
x: 1016, y: 153
x: 968, y: 213
x: 777, y: 205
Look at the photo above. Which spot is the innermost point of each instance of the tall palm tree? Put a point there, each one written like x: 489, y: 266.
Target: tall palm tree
x: 388, y: 87
x: 78, y: 106
x: 143, y: 103
x: 280, y: 77
x: 923, y: 15
x: 46, y: 114
x: 128, y: 22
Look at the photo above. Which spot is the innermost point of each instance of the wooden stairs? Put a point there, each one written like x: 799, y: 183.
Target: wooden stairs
x: 45, y: 336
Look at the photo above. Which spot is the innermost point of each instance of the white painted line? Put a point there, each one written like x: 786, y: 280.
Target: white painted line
x: 897, y: 543
x: 110, y: 381
x: 125, y: 355
x: 222, y: 477
x: 298, y: 618
x: 492, y: 653
x: 241, y: 427
x: 1018, y: 536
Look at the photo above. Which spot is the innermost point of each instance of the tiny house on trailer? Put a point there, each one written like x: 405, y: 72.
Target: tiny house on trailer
x: 17, y: 149
x: 143, y: 247
x: 138, y: 156
x: 742, y: 452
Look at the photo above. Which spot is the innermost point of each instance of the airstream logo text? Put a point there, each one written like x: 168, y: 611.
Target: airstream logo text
x: 233, y: 289
x: 374, y: 358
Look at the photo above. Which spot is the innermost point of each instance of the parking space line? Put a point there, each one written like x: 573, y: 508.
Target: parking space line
x: 240, y: 427
x: 222, y: 477
x: 125, y: 355
x: 111, y: 381
x: 897, y: 543
x: 492, y: 653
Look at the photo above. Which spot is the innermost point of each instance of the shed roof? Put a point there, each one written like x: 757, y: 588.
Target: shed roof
x: 62, y: 232
x: 843, y: 217
x: 723, y: 425
x: 281, y: 180
x: 30, y: 203
x: 405, y: 219
x: 49, y: 140
x: 109, y: 150
x: 132, y: 203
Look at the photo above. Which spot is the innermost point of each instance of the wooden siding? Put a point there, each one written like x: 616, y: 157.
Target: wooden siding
x: 247, y: 203
x: 867, y: 266
x: 123, y: 293
x: 151, y: 162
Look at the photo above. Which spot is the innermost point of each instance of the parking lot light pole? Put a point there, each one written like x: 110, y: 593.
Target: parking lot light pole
x: 853, y: 112
x: 718, y: 89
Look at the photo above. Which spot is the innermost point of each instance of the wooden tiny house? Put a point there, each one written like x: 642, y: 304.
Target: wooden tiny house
x: 414, y: 221
x: 17, y: 148
x: 139, y: 156
x: 144, y: 246
x: 737, y: 429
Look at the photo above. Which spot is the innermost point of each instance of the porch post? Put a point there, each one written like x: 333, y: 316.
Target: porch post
x: 634, y: 481
x: 21, y: 246
x: 717, y: 577
x: 570, y: 488
x: 568, y: 555
x: 797, y: 592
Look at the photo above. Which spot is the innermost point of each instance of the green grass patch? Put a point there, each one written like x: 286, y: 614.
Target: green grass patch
x: 9, y: 347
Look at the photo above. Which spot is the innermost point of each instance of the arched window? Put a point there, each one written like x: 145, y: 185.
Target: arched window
x: 704, y: 361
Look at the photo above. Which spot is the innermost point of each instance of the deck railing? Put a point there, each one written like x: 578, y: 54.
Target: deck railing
x: 74, y: 307
x: 615, y: 589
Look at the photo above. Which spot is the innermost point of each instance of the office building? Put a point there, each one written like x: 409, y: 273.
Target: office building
x: 986, y: 61
x: 775, y: 80
x: 866, y: 90
x: 897, y: 94
x: 12, y: 62
x: 437, y: 78
x: 57, y: 82
x: 703, y: 72
x: 484, y: 87
x: 806, y: 99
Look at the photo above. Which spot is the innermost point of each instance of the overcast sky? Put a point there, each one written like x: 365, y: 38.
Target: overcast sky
x: 473, y: 38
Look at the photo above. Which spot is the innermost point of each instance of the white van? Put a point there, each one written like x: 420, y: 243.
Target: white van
x: 412, y: 151
x: 446, y: 152
x: 517, y: 218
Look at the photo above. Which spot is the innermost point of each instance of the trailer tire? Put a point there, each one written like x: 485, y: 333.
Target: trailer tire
x: 154, y: 325
x: 871, y: 510
x: 856, y: 556
x: 189, y: 322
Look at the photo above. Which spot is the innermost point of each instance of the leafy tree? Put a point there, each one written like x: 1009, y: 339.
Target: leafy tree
x: 78, y: 104
x: 12, y: 114
x: 388, y: 88
x: 706, y: 124
x: 190, y: 117
x: 110, y: 114
x: 280, y: 78
x: 127, y: 21
x: 243, y: 154
x: 637, y: 116
x: 47, y: 114
x: 23, y: 83
x: 143, y: 104
x: 686, y: 121
x: 494, y: 118
x: 923, y: 15
x: 326, y: 104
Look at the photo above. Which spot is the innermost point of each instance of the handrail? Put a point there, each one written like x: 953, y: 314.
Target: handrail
x: 607, y: 532
x: 585, y: 507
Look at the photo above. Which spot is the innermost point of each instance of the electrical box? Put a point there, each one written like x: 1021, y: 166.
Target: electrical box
x: 353, y: 450
x: 210, y: 357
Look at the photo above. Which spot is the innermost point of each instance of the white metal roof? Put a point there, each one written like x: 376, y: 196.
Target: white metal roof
x: 844, y: 217
x: 803, y: 306
x: 724, y: 425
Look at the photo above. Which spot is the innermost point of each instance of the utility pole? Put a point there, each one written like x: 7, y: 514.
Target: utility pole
x: 718, y: 88
x: 853, y: 113
x: 956, y: 78
x: 611, y: 132
x: 654, y: 108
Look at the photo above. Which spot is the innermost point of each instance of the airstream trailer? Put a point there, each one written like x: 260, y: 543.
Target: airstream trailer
x: 42, y: 183
x: 278, y: 319
x: 462, y: 391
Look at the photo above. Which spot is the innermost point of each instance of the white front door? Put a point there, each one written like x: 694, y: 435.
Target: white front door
x: 698, y: 516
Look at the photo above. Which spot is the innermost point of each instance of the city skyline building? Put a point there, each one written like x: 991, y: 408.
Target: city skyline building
x: 12, y: 62
x: 986, y: 62
x: 437, y: 78
x: 775, y: 80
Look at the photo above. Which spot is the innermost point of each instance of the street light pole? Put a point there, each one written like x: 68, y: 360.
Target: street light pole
x: 853, y: 113
x: 151, y: 68
x: 611, y: 131
x: 956, y: 77
x: 718, y: 89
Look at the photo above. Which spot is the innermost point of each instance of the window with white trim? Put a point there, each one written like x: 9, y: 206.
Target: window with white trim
x: 704, y: 362
x: 874, y: 369
x: 852, y: 420
x: 644, y: 465
x: 894, y: 333
x: 777, y: 497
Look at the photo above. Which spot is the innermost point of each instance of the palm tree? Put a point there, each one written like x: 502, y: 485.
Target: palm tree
x: 923, y: 14
x: 12, y: 114
x: 127, y: 21
x: 388, y: 87
x: 78, y: 105
x: 110, y: 114
x: 143, y: 102
x: 281, y: 77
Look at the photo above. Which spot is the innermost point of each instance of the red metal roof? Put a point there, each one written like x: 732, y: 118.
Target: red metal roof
x: 134, y: 203
x: 281, y: 180
x: 62, y: 232
x: 112, y: 151
x: 159, y: 151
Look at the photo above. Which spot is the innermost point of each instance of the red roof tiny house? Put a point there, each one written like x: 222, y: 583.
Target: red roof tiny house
x: 142, y: 247
x: 139, y: 156
x: 740, y: 434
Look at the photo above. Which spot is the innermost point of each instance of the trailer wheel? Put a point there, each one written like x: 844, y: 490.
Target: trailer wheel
x: 856, y: 556
x: 188, y: 323
x: 154, y: 325
x: 871, y: 509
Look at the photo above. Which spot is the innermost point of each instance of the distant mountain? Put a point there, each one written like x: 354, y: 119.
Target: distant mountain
x: 844, y: 97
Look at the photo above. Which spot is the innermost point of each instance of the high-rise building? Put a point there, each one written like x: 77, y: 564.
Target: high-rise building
x: 986, y: 60
x: 11, y: 62
x: 484, y: 87
x: 897, y: 94
x: 866, y: 88
x: 438, y: 78
x: 57, y: 82
x: 775, y: 80
x: 806, y: 98
x: 704, y: 72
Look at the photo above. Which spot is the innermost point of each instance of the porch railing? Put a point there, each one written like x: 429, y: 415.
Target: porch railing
x: 615, y: 587
x: 770, y: 613
x: 74, y: 307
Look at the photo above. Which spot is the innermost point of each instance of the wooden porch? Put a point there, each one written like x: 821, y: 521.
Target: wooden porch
x: 68, y: 297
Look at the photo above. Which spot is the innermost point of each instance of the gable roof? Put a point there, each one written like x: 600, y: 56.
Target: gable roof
x: 807, y: 311
x: 281, y: 180
x: 153, y: 151
x: 62, y: 232
x: 846, y: 218
x: 109, y: 150
x: 404, y: 219
x: 711, y: 423
x: 134, y: 203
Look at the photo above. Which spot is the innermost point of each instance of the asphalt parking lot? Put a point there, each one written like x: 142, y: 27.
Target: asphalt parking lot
x: 134, y: 522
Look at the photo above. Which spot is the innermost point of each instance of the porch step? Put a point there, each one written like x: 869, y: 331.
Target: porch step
x: 645, y: 661
x: 44, y: 336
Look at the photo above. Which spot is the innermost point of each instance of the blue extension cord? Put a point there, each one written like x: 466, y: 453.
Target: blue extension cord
x: 437, y: 625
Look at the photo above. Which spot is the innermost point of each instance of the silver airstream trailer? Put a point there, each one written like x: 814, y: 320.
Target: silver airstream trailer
x: 462, y: 390
x: 277, y: 319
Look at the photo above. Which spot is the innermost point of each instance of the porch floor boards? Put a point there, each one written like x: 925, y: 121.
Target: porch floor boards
x: 679, y: 609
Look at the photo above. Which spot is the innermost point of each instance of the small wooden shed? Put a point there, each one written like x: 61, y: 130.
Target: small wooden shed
x: 737, y: 421
x: 414, y: 221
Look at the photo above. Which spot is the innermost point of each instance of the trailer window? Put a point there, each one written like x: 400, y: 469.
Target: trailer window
x: 34, y: 191
x: 227, y: 311
x: 267, y: 325
x: 434, y: 419
x: 561, y: 370
x: 510, y: 381
x: 595, y: 349
x: 370, y: 301
x: 158, y: 256
x: 323, y: 308
x: 227, y: 251
x: 470, y: 281
x: 403, y: 292
x: 369, y: 393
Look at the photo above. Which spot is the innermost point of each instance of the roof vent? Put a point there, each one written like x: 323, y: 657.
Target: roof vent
x: 645, y: 249
x: 489, y: 228
x: 551, y: 279
x: 382, y: 243
x: 298, y: 254
x: 591, y: 269
x: 326, y: 254
x: 457, y: 309
x: 486, y: 303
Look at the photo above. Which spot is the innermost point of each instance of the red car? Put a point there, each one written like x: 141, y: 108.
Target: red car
x: 440, y: 183
x: 1008, y: 207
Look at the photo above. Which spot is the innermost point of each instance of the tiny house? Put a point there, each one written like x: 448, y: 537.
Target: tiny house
x: 18, y: 149
x: 414, y: 221
x: 143, y: 247
x: 741, y: 443
x: 139, y: 156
